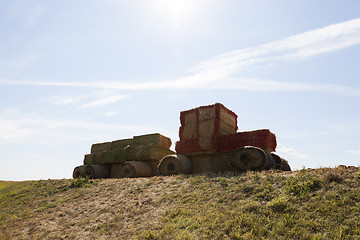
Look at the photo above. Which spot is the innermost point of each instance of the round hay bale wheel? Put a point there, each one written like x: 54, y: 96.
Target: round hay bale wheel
x: 270, y: 162
x: 284, y: 165
x: 277, y: 160
x: 249, y: 158
x: 79, y: 171
x: 136, y: 169
x: 281, y: 163
x: 97, y: 171
x: 175, y: 164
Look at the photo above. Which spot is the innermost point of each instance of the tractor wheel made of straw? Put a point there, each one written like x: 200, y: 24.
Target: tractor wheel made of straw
x: 97, y: 171
x: 277, y: 160
x: 133, y: 169
x: 281, y: 163
x: 248, y: 158
x: 270, y: 162
x: 175, y: 164
x: 79, y: 172
x: 284, y: 165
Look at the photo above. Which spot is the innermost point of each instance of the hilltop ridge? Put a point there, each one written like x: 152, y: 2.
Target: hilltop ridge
x: 319, y: 203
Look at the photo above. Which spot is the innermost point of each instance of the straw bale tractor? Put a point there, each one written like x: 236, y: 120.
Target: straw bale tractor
x: 209, y: 142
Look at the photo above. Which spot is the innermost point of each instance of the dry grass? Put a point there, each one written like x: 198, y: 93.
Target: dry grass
x: 307, y: 204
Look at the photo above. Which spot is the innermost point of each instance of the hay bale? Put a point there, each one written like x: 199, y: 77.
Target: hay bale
x: 262, y: 138
x: 203, y: 162
x: 284, y: 165
x: 188, y: 146
x: 188, y: 131
x: 207, y: 113
x: 270, y: 162
x: 89, y: 159
x: 109, y: 146
x: 175, y: 164
x: 205, y: 124
x: 222, y: 161
x: 115, y: 170
x: 79, y: 171
x: 281, y: 163
x: 97, y: 171
x: 249, y: 158
x: 149, y: 152
x: 277, y: 160
x: 100, y: 147
x: 226, y: 129
x: 155, y: 138
x: 122, y: 143
x: 228, y: 117
x: 207, y: 134
x: 136, y: 169
x: 140, y: 153
x: 189, y: 117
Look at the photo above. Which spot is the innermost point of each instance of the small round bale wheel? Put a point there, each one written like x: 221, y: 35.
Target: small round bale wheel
x: 79, y: 171
x: 270, y: 162
x: 249, y: 158
x: 277, y: 160
x: 285, y: 165
x: 175, y: 164
x: 281, y: 163
x: 136, y: 169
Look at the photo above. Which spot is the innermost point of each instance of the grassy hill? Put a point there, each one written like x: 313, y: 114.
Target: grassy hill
x: 308, y: 204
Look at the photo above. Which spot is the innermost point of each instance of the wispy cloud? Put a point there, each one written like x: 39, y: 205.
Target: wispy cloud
x: 354, y: 151
x: 16, y: 126
x: 67, y: 100
x: 105, y: 101
x: 289, y: 152
x: 324, y: 40
x: 219, y: 71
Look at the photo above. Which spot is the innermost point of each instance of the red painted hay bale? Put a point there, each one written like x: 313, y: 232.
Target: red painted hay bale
x: 188, y: 146
x: 205, y: 124
x: 263, y: 139
x: 175, y: 164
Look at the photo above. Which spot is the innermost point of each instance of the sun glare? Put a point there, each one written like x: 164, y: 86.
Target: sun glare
x: 176, y: 14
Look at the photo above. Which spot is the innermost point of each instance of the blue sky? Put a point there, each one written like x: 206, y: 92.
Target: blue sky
x: 73, y: 73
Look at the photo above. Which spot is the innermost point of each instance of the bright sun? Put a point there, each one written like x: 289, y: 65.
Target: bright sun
x: 176, y: 14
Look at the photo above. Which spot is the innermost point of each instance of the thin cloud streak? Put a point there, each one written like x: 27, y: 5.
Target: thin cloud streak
x: 319, y: 41
x: 17, y: 127
x: 218, y: 71
x: 247, y: 84
x: 105, y: 101
x: 354, y: 151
